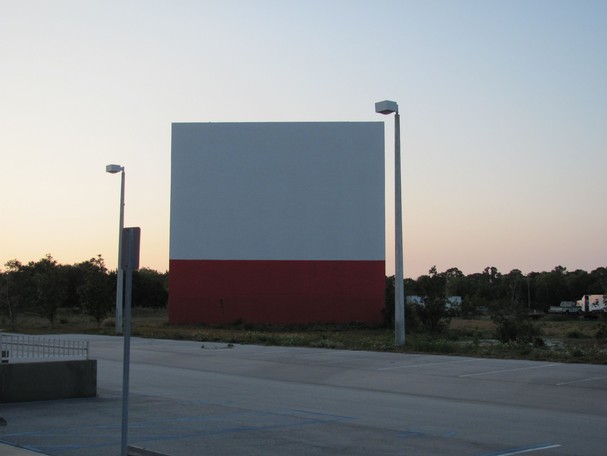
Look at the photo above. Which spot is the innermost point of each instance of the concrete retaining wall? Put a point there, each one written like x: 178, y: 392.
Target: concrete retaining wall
x: 48, y: 380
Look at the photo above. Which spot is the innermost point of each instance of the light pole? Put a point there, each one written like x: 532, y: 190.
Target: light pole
x: 129, y: 263
x: 113, y: 169
x: 528, y: 294
x: 389, y: 107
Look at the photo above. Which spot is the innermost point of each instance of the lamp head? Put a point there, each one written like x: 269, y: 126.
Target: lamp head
x: 386, y: 107
x: 113, y: 169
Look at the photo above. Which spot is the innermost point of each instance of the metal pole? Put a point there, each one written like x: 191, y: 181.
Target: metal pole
x: 528, y: 294
x: 120, y: 271
x: 126, y: 361
x: 399, y: 292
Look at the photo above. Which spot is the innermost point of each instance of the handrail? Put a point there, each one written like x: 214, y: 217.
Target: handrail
x: 20, y: 347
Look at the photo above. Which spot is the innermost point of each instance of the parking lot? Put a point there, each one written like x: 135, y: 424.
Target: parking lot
x: 191, y: 398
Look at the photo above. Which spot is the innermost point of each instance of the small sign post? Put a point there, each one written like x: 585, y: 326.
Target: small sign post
x: 130, y: 262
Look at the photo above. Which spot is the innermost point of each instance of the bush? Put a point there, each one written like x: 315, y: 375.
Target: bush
x: 412, y: 322
x: 109, y: 322
x: 515, y: 330
x: 576, y: 334
x: 602, y: 331
x: 512, y: 323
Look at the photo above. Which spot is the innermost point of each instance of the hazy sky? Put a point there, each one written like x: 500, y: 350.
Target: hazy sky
x: 503, y: 108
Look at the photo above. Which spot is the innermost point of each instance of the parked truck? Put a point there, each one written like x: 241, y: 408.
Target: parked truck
x: 592, y: 303
x: 566, y: 307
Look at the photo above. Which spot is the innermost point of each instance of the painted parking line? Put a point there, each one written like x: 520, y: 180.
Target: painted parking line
x: 581, y: 380
x: 523, y: 450
x: 407, y: 366
x: 507, y: 370
x: 65, y: 440
x: 11, y: 450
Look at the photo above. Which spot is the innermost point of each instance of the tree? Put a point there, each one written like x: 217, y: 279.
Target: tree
x: 514, y: 284
x: 150, y: 288
x: 578, y: 284
x: 551, y: 288
x: 510, y: 313
x: 599, y: 281
x: 49, y: 285
x: 15, y: 291
x: 457, y: 284
x: 490, y: 283
x: 477, y: 295
x: 433, y: 311
x: 389, y: 296
x: 74, y: 278
x: 96, y: 292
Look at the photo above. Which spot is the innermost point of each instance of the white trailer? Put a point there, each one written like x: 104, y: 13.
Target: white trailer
x: 592, y: 303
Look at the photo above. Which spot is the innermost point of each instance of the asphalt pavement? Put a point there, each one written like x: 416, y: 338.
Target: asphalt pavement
x: 193, y: 398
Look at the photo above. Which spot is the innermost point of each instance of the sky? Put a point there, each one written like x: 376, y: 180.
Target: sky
x: 503, y: 116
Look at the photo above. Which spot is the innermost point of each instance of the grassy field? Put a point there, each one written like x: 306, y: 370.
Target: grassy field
x: 567, y: 340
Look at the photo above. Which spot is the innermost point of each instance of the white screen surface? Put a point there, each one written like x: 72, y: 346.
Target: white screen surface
x: 277, y: 191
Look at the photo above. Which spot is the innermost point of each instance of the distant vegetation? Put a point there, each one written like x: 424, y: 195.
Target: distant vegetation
x: 536, y: 290
x: 508, y: 299
x: 43, y: 287
x: 45, y: 296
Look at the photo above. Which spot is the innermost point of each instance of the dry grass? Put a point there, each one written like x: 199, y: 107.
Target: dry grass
x: 569, y: 340
x: 482, y: 325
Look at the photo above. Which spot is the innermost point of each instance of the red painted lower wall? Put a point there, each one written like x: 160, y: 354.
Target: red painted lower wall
x: 276, y: 292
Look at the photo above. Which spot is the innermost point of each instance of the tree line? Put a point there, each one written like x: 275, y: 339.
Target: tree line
x: 538, y: 290
x: 508, y: 298
x: 43, y: 287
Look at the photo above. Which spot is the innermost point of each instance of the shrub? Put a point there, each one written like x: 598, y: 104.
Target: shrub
x: 108, y: 322
x: 512, y: 324
x: 602, y: 331
x: 576, y: 334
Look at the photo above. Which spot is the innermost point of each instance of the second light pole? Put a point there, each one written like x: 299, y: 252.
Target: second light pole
x: 113, y: 169
x: 389, y: 107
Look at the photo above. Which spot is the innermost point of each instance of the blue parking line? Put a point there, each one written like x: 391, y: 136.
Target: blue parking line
x: 177, y: 428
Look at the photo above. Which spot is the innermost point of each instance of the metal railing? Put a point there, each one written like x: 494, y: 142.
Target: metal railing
x: 26, y: 348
